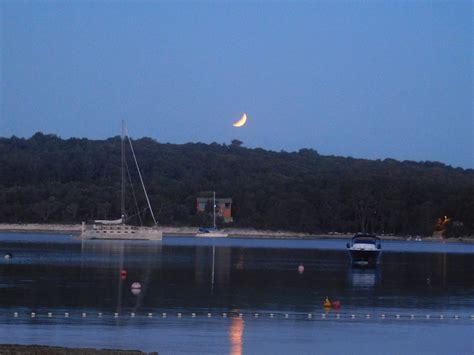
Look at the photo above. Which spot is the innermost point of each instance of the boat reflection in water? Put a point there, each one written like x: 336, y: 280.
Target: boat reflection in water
x: 363, y: 278
x: 119, y: 264
x: 219, y: 270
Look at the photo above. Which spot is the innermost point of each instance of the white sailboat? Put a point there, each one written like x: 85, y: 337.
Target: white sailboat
x: 118, y: 229
x: 212, y: 232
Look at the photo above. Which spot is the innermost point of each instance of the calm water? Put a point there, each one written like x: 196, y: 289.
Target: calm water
x: 58, y: 274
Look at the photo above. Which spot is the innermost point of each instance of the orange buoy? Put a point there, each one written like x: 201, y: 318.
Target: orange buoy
x: 327, y: 303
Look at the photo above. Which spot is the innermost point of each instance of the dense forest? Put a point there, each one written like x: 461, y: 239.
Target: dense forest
x: 47, y: 179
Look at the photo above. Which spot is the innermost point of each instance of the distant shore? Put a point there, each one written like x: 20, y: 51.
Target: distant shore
x: 75, y: 229
x: 16, y: 349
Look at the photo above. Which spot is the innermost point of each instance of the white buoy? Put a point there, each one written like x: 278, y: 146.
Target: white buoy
x: 136, y: 285
x: 8, y: 256
x: 301, y: 268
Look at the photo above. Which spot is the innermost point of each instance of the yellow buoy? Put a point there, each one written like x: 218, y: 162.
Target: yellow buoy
x: 327, y: 303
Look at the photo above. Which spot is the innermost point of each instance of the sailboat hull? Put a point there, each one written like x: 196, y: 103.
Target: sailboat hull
x: 123, y: 232
x: 212, y: 235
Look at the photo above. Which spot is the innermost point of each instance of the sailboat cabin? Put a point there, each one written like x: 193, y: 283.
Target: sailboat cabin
x: 223, y: 207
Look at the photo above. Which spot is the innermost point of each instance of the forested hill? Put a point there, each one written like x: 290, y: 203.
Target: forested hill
x: 49, y: 179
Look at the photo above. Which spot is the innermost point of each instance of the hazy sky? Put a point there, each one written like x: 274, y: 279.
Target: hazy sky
x: 369, y: 79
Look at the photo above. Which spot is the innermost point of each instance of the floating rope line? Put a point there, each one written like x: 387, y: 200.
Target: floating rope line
x: 274, y: 316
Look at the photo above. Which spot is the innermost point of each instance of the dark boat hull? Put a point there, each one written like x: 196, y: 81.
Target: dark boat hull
x: 365, y: 258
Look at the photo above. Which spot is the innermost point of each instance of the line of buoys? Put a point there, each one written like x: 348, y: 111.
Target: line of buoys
x: 326, y: 315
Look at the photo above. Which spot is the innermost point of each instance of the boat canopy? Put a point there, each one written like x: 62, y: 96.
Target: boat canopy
x: 365, y: 238
x: 105, y: 221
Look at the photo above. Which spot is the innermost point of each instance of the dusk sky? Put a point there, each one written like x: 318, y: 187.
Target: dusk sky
x: 369, y: 79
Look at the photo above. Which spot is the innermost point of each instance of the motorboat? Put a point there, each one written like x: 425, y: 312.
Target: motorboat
x: 364, y: 250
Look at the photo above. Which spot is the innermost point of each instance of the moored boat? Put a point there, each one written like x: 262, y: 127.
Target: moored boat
x: 212, y: 232
x: 103, y: 229
x: 364, y: 250
x: 118, y: 228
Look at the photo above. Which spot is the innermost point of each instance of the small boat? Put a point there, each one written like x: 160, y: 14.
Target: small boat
x: 364, y: 250
x: 212, y: 232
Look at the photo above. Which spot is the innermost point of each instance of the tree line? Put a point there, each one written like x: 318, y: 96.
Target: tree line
x: 46, y: 179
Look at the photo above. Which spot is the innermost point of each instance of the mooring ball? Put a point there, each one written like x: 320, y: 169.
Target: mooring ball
x: 136, y: 285
x: 301, y: 268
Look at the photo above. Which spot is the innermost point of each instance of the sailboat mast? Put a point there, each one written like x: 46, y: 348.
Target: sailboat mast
x: 214, y: 208
x: 122, y: 202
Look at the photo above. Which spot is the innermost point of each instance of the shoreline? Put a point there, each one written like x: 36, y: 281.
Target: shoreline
x: 20, y: 349
x: 168, y: 231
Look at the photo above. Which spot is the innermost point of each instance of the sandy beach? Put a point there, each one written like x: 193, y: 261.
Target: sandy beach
x: 75, y: 229
x: 167, y: 231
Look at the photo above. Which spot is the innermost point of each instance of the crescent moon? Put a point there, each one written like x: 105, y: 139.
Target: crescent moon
x: 240, y: 122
